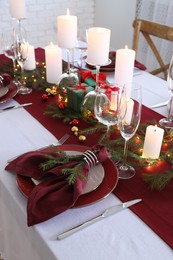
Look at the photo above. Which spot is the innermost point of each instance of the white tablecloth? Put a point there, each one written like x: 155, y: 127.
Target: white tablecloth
x: 122, y: 236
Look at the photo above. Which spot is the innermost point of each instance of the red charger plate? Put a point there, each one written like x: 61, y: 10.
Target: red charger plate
x: 110, y: 180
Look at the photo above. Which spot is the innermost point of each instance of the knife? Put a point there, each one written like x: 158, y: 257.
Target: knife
x: 162, y: 104
x: 15, y: 107
x: 108, y: 212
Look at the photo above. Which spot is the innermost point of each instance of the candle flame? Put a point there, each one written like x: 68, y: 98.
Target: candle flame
x: 126, y: 47
x: 68, y: 11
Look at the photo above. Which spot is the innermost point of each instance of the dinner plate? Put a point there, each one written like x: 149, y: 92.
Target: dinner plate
x: 102, y: 187
x: 3, y: 91
x: 12, y: 91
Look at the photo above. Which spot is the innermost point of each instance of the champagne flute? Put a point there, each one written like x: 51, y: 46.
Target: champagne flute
x: 107, y: 105
x: 21, y: 55
x: 168, y: 122
x: 128, y: 125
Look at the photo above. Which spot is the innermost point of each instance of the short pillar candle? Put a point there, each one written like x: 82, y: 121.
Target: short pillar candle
x: 153, y: 142
x: 53, y: 58
x: 67, y: 31
x: 98, y: 45
x: 17, y: 9
x: 124, y: 66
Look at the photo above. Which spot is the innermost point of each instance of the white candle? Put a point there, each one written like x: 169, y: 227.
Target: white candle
x: 67, y: 30
x: 17, y: 9
x: 98, y: 45
x: 129, y: 111
x: 53, y: 58
x: 124, y: 66
x: 153, y: 142
x: 30, y: 63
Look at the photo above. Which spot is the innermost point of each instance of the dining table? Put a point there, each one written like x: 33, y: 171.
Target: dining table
x: 143, y: 231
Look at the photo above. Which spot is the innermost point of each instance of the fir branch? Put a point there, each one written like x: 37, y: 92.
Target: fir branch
x: 74, y: 173
x: 158, y: 181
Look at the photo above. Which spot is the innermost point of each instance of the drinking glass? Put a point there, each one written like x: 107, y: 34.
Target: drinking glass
x: 107, y: 105
x: 168, y: 122
x: 7, y: 46
x: 21, y: 55
x: 128, y: 125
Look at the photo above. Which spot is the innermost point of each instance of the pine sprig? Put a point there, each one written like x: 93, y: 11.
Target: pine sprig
x: 158, y: 181
x: 74, y: 173
x: 61, y: 158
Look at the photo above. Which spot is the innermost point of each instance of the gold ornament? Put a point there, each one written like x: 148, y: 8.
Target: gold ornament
x: 82, y: 138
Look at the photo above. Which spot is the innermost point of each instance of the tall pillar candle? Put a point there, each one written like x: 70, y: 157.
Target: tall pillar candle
x: 30, y: 63
x: 153, y: 142
x: 124, y: 66
x: 67, y: 31
x: 17, y: 9
x: 98, y: 45
x: 53, y: 58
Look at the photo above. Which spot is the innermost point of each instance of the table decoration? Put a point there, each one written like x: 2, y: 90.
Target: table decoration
x: 69, y: 176
x: 67, y: 38
x: 53, y: 60
x: 124, y: 66
x: 152, y: 142
x: 97, y: 55
x: 30, y: 63
x: 17, y: 9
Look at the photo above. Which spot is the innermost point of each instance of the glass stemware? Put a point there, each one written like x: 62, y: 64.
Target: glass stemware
x: 107, y: 105
x: 21, y: 55
x: 70, y: 77
x: 168, y: 122
x: 128, y: 125
x: 7, y: 46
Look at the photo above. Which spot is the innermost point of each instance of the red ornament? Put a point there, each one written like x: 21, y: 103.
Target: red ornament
x: 61, y: 106
x: 75, y: 121
x: 45, y: 97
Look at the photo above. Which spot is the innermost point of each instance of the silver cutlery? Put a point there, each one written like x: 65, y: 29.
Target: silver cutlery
x: 59, y: 142
x: 14, y: 107
x: 162, y: 104
x: 108, y: 212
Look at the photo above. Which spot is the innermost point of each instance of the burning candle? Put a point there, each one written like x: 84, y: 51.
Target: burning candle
x: 152, y: 142
x: 53, y: 58
x: 30, y: 63
x: 124, y: 66
x: 67, y: 30
x: 17, y: 9
x: 98, y: 45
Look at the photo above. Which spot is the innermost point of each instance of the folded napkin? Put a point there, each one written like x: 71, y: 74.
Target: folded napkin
x: 111, y: 66
x: 53, y: 195
x: 5, y: 79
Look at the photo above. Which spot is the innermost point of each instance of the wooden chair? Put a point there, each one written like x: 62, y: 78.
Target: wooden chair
x: 148, y: 29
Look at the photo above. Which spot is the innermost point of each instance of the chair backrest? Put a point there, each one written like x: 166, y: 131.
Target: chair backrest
x: 148, y: 29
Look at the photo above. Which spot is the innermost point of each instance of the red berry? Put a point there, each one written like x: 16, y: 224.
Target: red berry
x: 44, y: 97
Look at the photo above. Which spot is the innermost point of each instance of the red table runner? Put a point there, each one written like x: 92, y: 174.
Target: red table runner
x: 156, y: 208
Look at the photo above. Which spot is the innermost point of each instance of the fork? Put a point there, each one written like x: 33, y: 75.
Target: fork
x: 58, y: 142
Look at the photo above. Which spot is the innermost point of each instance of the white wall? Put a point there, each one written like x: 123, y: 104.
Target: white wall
x: 118, y: 16
x: 41, y: 23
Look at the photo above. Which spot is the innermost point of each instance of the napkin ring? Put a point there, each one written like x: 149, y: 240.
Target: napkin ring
x: 90, y: 158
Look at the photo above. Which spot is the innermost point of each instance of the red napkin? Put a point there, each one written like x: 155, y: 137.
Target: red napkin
x: 111, y: 66
x: 6, y: 79
x: 53, y: 195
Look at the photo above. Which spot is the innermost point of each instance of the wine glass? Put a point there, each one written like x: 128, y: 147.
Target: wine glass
x: 128, y: 125
x: 107, y: 105
x: 168, y: 122
x: 7, y: 46
x: 21, y: 55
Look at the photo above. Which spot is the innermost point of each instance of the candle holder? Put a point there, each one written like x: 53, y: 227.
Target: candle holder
x: 69, y: 78
x: 87, y: 107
